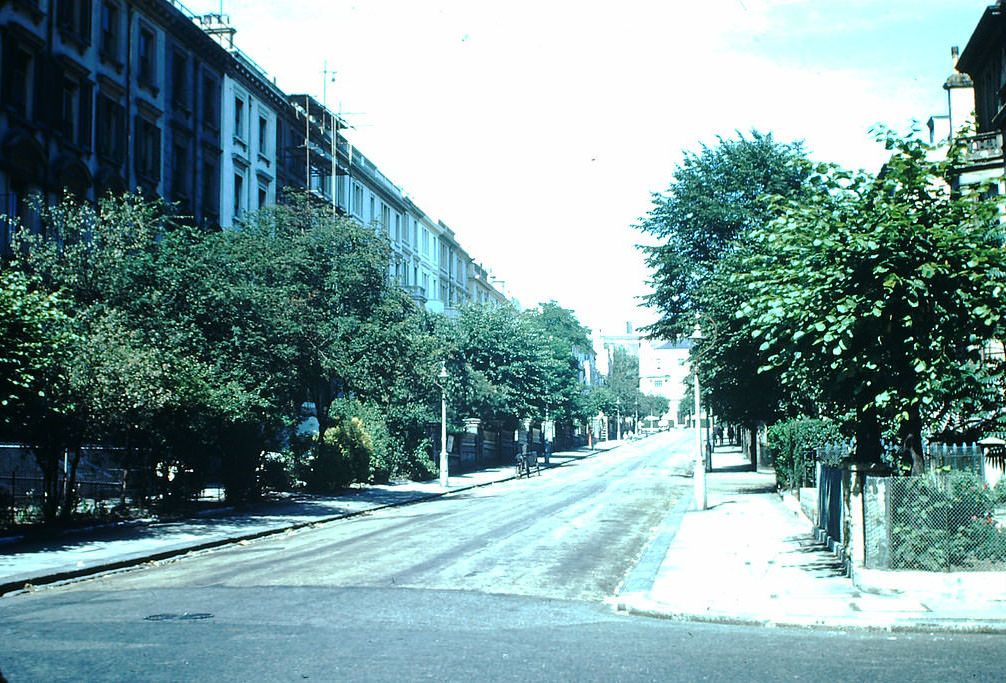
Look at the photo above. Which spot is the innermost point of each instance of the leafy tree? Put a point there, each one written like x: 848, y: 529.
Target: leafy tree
x: 717, y: 198
x: 499, y: 366
x: 33, y: 327
x: 565, y: 341
x: 623, y: 379
x: 882, y: 291
x: 650, y: 404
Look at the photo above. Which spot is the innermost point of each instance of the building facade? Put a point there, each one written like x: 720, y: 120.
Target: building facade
x: 117, y: 96
x: 108, y: 96
x: 982, y: 65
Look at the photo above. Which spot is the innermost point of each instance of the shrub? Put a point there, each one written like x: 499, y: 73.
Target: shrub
x: 943, y: 521
x: 343, y: 453
x: 792, y: 444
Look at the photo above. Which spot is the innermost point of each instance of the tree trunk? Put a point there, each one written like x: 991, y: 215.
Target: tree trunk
x: 868, y: 447
x: 911, y: 443
x: 69, y: 498
x: 47, y: 458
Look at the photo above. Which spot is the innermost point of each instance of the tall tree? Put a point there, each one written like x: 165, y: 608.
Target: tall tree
x: 565, y: 341
x: 717, y: 198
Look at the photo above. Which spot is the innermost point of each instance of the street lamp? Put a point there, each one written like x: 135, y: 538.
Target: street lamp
x: 444, y: 480
x: 618, y: 418
x: 699, y: 475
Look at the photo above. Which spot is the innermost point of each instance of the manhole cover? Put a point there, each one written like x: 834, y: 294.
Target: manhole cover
x: 184, y: 616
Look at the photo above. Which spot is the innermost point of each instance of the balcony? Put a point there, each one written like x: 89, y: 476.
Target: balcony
x: 981, y: 162
x: 417, y: 293
x: 984, y: 147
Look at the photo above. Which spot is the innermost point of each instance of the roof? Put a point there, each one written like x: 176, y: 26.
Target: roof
x: 959, y: 80
x: 990, y: 26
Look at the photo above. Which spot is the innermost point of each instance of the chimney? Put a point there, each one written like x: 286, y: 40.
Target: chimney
x: 954, y: 56
x: 628, y: 328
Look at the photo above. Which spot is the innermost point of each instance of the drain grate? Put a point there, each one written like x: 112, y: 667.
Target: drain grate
x: 184, y: 616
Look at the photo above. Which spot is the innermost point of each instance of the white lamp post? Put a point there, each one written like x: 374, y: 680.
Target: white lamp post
x: 618, y: 418
x: 444, y: 479
x: 699, y: 476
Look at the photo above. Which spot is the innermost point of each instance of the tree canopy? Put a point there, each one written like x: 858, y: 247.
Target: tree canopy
x: 718, y: 196
x: 882, y: 291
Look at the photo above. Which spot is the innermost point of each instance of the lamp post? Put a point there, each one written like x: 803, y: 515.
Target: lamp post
x: 618, y: 418
x: 699, y: 475
x: 444, y: 479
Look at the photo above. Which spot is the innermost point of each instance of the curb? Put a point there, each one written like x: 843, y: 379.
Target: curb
x: 655, y: 611
x: 27, y: 584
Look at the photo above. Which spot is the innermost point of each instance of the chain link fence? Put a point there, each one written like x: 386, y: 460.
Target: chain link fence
x: 941, y: 521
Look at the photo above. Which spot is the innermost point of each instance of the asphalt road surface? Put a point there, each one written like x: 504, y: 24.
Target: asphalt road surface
x: 503, y: 582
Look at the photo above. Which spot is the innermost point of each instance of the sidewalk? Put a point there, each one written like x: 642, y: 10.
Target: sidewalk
x: 82, y: 552
x: 750, y: 558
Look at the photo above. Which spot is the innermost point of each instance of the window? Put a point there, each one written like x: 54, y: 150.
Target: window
x: 372, y: 214
x: 385, y: 218
x: 70, y: 109
x: 211, y: 117
x: 180, y: 79
x: 263, y: 196
x: 109, y: 45
x: 18, y: 74
x: 180, y: 170
x: 263, y: 136
x: 73, y: 17
x: 239, y: 193
x: 145, y: 51
x: 110, y: 135
x: 398, y: 228
x: 209, y: 190
x: 358, y: 200
x: 148, y: 150
x: 239, y: 118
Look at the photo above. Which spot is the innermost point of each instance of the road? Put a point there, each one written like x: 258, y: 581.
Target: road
x: 503, y: 582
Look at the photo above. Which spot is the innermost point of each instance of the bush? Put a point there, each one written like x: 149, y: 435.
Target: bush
x: 792, y: 444
x: 940, y: 522
x: 275, y: 470
x: 343, y: 453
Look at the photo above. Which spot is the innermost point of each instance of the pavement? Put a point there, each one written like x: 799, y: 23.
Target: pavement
x: 27, y: 563
x: 751, y: 558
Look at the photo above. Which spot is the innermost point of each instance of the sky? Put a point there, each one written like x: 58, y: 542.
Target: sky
x: 538, y: 130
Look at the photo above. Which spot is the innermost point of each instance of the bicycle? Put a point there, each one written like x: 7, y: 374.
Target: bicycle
x: 524, y: 462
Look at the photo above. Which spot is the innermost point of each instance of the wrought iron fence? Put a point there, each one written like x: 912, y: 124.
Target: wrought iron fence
x: 957, y: 458
x: 941, y: 521
x: 22, y: 496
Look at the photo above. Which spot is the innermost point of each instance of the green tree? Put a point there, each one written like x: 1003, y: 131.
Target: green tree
x: 566, y: 340
x: 717, y: 198
x: 623, y: 379
x: 883, y: 291
x: 499, y: 366
x: 33, y: 328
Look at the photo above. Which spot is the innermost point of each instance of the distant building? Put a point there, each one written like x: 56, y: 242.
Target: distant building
x: 108, y: 96
x: 663, y: 370
x: 663, y: 365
